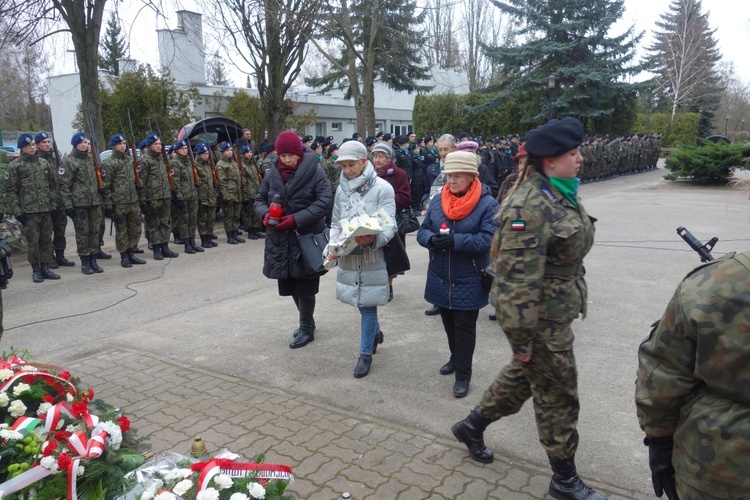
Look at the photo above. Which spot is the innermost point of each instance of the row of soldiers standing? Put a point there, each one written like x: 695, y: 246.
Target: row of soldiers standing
x: 171, y: 195
x: 605, y: 157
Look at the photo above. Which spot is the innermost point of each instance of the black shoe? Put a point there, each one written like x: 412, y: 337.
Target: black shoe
x: 205, y: 241
x: 101, y: 254
x: 213, y: 236
x: 363, y: 366
x: 470, y: 431
x: 166, y: 252
x: 213, y: 243
x: 197, y: 248
x: 53, y: 264
x: 461, y: 388
x: 36, y: 273
x: 237, y: 237
x: 296, y: 332
x: 189, y: 248
x: 61, y: 260
x: 125, y: 260
x: 390, y: 293
x: 447, y: 368
x: 493, y: 317
x: 138, y: 250
x: 157, y: 253
x: 95, y: 265
x: 379, y: 337
x: 47, y: 274
x: 178, y: 241
x: 566, y: 485
x: 242, y: 226
x: 253, y: 234
x: 305, y: 334
x: 133, y: 259
x: 432, y: 311
x: 231, y: 238
x: 151, y: 246
x: 86, y: 266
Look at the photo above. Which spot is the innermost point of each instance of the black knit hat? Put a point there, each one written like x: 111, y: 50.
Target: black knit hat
x: 555, y: 138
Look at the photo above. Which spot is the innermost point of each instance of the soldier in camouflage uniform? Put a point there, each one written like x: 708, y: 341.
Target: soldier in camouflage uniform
x: 250, y: 187
x: 185, y: 209
x: 59, y: 219
x: 206, y: 196
x: 83, y: 200
x: 230, y: 191
x: 125, y: 198
x: 157, y: 197
x: 538, y: 254
x: 29, y: 188
x: 691, y: 390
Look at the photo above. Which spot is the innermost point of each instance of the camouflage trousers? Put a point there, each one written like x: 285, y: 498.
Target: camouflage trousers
x: 206, y: 219
x: 688, y: 492
x: 158, y: 222
x: 59, y: 224
x: 38, y: 234
x: 86, y: 221
x: 231, y: 211
x: 550, y: 379
x: 248, y: 216
x: 127, y: 226
x: 185, y: 221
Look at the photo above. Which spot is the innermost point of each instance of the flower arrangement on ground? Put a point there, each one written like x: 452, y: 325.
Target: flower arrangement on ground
x: 58, y: 442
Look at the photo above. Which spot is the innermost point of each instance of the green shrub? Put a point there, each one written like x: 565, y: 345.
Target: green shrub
x: 684, y: 130
x: 709, y: 162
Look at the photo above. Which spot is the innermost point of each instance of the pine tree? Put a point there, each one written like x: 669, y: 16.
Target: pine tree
x: 215, y: 72
x: 685, y: 58
x: 113, y: 46
x: 565, y: 63
x: 380, y: 39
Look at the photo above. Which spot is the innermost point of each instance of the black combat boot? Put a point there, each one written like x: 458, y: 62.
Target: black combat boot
x: 363, y: 366
x: 565, y: 483
x: 157, y: 252
x: 101, y: 254
x: 253, y: 234
x: 47, y: 274
x: 166, y: 252
x: 470, y: 431
x: 95, y: 265
x: 53, y: 264
x: 206, y: 241
x: 189, y: 248
x: 61, y: 260
x: 237, y: 237
x: 379, y: 337
x: 211, y: 240
x: 197, y: 248
x: 133, y: 259
x: 124, y: 260
x: 231, y: 239
x: 305, y: 334
x: 138, y: 250
x: 86, y: 265
x: 213, y: 236
x: 177, y: 239
x: 36, y: 273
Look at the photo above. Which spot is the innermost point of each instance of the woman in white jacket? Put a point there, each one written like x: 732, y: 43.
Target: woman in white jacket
x: 362, y: 278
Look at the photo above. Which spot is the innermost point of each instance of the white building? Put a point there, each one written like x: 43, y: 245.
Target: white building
x: 181, y: 52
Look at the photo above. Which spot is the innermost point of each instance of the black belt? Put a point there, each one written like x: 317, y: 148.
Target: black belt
x: 569, y: 270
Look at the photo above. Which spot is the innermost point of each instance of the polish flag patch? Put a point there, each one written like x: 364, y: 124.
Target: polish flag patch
x: 518, y: 225
x: 61, y: 171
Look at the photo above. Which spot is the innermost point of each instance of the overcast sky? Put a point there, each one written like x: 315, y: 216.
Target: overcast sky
x: 731, y: 18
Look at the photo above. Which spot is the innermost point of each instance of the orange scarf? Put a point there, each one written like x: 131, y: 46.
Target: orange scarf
x: 457, y: 208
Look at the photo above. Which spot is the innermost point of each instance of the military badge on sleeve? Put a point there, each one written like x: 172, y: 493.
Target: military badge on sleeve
x: 171, y: 171
x: 7, y: 176
x: 104, y: 173
x: 61, y: 170
x: 518, y: 225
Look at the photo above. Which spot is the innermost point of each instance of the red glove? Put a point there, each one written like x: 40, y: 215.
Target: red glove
x: 286, y: 222
x: 265, y: 218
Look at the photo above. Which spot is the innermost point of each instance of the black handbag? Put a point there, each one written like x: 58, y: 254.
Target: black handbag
x: 396, y: 258
x: 311, y: 246
x: 486, y: 275
x: 407, y: 221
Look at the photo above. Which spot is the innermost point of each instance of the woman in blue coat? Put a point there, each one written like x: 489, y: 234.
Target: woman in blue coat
x: 458, y: 231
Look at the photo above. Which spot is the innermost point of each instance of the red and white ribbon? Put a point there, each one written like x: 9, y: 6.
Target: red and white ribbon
x: 85, y: 447
x: 72, y: 475
x: 211, y: 469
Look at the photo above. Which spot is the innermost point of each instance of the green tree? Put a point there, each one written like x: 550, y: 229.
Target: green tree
x: 568, y: 40
x: 707, y: 163
x: 380, y: 40
x: 113, y: 46
x: 685, y: 58
x: 216, y: 73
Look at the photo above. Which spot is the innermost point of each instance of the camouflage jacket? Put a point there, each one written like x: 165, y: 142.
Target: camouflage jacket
x: 29, y: 185
x: 333, y: 172
x: 77, y: 176
x: 542, y: 241
x: 229, y: 179
x: 693, y: 374
x: 52, y: 160
x: 154, y: 177
x: 184, y: 182
x: 252, y: 179
x: 120, y: 179
x: 206, y: 191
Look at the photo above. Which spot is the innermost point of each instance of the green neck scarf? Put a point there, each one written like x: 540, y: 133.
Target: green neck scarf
x: 568, y: 187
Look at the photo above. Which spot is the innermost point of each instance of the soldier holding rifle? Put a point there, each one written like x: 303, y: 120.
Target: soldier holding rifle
x: 206, y: 195
x: 229, y: 176
x: 157, y: 196
x: 184, y: 214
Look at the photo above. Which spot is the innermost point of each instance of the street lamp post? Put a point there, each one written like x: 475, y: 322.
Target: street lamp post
x: 551, y: 86
x: 726, y: 126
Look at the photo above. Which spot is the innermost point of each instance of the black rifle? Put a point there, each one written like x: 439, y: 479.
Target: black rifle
x: 54, y: 143
x: 6, y: 268
x: 703, y: 250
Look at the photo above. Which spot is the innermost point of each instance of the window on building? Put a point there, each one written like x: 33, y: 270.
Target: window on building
x: 401, y: 129
x: 320, y: 129
x: 336, y: 127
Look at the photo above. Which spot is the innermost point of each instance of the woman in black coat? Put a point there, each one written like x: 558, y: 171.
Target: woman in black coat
x: 305, y: 194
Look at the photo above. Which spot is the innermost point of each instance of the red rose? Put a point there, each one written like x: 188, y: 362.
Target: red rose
x: 79, y: 409
x: 91, y: 393
x: 124, y: 423
x: 62, y: 435
x: 51, y: 446
x: 64, y: 461
x: 28, y: 379
x: 65, y: 375
x: 48, y: 399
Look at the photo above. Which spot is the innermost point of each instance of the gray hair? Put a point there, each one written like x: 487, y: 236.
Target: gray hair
x: 449, y: 139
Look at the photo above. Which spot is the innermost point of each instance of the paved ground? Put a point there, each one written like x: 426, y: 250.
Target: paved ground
x: 215, y: 317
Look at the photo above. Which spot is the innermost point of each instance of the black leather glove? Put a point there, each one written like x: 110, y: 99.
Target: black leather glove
x: 180, y: 205
x: 442, y: 240
x: 109, y: 212
x: 145, y: 209
x: 139, y: 187
x: 103, y: 191
x: 21, y: 218
x: 660, y: 462
x: 70, y: 212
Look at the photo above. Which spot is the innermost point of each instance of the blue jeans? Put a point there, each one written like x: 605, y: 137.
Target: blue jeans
x: 370, y: 327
